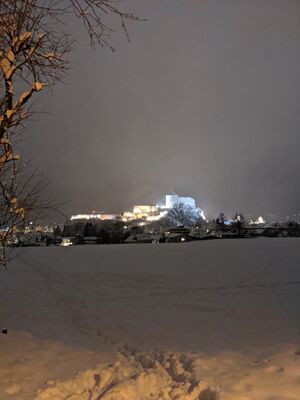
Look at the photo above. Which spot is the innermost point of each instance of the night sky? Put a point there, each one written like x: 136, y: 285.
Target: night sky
x: 205, y: 101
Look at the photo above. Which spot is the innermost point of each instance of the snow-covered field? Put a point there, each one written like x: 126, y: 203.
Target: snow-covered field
x: 162, y: 321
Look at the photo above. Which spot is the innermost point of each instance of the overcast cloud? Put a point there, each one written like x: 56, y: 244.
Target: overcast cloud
x: 205, y: 100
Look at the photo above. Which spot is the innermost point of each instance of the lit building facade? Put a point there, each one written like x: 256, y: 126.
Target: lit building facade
x: 173, y: 199
x: 145, y: 212
x: 96, y: 215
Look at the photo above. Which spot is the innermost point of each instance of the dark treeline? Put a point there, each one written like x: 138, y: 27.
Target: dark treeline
x: 105, y: 232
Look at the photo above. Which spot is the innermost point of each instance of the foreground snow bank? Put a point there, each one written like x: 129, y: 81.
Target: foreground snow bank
x: 38, y: 369
x: 136, y: 376
x: 183, y: 376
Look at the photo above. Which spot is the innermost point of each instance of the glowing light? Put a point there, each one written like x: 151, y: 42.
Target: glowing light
x: 202, y: 215
x: 258, y: 221
x: 95, y: 215
x: 144, y: 209
x: 66, y: 242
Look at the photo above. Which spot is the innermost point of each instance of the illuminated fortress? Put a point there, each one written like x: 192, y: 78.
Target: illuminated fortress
x: 144, y: 212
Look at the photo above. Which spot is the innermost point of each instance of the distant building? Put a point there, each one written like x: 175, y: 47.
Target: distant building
x: 173, y: 200
x: 67, y: 241
x: 143, y: 238
x: 144, y: 209
x: 96, y: 215
x: 258, y: 221
x: 90, y: 240
x: 178, y: 235
x: 144, y: 212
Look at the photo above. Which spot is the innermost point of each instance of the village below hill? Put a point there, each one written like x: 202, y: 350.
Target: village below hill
x: 178, y: 220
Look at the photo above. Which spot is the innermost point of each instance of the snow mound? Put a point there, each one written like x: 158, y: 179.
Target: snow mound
x: 186, y: 376
x: 136, y: 376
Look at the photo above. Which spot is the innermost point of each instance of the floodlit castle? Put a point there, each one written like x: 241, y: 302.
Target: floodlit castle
x: 145, y: 212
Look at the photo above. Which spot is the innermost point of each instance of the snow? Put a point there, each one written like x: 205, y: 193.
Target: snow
x: 171, y: 321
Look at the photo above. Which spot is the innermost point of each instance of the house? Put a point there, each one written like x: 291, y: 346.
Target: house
x: 90, y: 240
x: 30, y: 239
x: 179, y: 234
x: 143, y: 238
x: 178, y: 238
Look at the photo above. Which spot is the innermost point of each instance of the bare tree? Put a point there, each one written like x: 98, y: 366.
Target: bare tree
x: 183, y: 214
x: 33, y: 57
x: 220, y: 221
x: 239, y: 222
